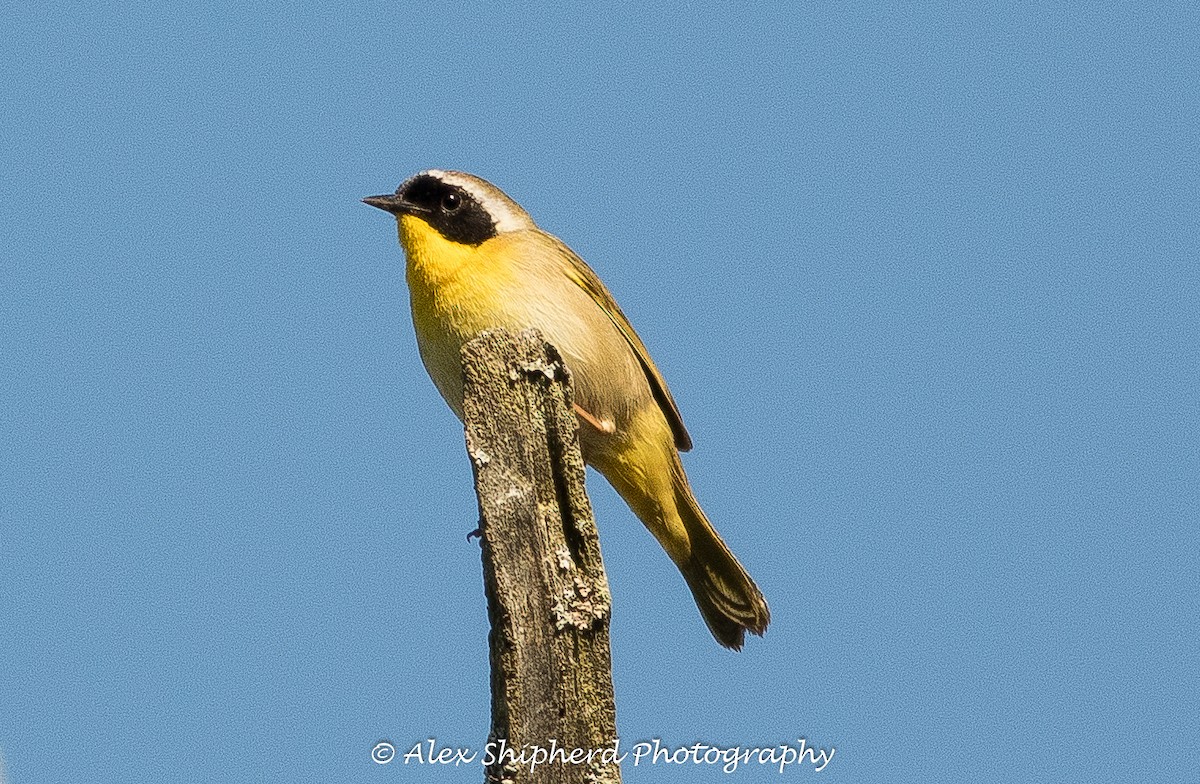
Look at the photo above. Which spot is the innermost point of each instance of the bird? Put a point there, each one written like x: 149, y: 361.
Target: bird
x: 476, y: 261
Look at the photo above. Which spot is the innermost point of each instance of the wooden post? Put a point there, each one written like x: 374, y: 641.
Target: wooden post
x: 547, y: 595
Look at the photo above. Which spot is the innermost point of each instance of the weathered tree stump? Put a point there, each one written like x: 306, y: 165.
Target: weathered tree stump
x: 553, y: 713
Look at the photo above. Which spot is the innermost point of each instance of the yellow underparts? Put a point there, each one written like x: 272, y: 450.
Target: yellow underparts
x: 457, y: 292
x: 642, y: 465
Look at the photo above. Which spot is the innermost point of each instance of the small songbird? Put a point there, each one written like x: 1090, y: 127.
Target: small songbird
x: 477, y: 261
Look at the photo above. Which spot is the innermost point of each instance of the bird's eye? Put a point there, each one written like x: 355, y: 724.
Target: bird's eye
x: 451, y: 202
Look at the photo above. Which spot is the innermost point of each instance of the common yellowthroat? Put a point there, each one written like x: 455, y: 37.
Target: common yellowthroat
x: 477, y: 261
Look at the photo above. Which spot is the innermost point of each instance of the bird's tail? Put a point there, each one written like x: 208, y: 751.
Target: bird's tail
x: 649, y: 476
x: 724, y: 592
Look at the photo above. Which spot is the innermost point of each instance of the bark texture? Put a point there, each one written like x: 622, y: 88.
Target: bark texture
x: 547, y: 594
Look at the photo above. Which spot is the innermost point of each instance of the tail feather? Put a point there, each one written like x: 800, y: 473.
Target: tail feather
x: 648, y: 474
x: 729, y: 601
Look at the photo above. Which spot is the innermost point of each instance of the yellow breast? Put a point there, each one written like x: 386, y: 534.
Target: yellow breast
x: 456, y: 294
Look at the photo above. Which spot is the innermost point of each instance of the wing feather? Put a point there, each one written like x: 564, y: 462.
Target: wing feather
x: 583, y: 276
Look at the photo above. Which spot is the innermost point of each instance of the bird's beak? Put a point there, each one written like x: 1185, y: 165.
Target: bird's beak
x: 389, y: 202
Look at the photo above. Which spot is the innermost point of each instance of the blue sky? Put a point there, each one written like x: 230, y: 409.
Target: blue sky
x: 922, y: 280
